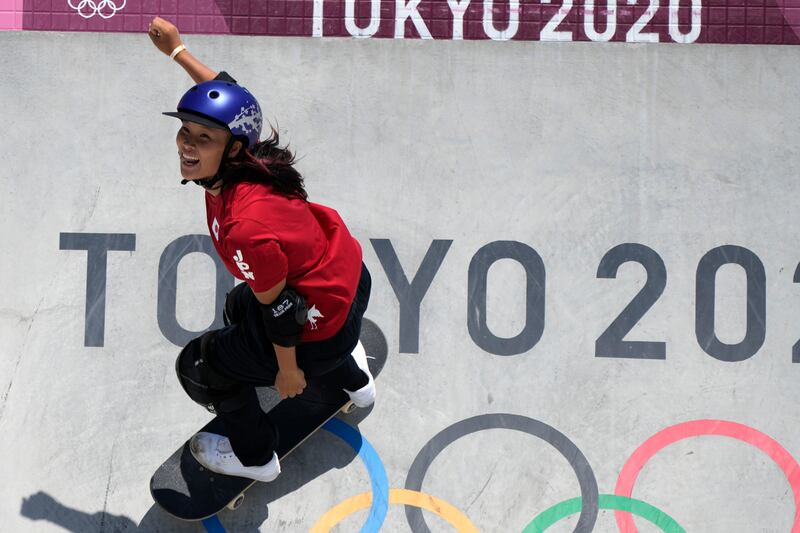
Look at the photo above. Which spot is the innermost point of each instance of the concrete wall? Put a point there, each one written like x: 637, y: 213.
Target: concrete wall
x: 502, y: 181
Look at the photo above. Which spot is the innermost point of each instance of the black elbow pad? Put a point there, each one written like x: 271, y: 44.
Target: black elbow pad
x: 285, y: 317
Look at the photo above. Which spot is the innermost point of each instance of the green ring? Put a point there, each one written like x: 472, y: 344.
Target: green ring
x: 606, y: 501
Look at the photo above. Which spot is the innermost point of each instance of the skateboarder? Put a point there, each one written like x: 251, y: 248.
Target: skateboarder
x: 298, y: 314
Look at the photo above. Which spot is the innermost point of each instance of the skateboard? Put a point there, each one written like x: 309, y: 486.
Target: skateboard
x: 186, y: 490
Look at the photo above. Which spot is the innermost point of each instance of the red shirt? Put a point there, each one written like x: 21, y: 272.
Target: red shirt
x: 263, y: 237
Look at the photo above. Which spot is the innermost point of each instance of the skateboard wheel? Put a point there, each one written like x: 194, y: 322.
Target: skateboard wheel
x: 237, y: 501
x: 349, y: 408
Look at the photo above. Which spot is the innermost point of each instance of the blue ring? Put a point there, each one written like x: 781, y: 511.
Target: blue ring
x: 213, y: 525
x: 375, y: 469
x: 377, y: 473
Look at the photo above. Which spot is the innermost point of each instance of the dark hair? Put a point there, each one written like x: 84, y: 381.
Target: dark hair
x: 269, y: 163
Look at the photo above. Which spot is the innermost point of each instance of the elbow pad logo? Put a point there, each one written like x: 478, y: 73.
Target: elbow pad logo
x: 281, y: 308
x: 243, y: 267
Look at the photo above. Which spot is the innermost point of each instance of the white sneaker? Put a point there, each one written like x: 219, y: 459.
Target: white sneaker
x: 215, y: 453
x: 365, y: 396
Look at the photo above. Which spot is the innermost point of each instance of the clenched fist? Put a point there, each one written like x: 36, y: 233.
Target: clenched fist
x: 164, y: 35
x: 290, y: 383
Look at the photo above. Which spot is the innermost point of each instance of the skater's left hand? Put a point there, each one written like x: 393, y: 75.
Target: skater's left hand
x: 290, y: 383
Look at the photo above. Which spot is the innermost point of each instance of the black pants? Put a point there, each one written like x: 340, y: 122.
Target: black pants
x: 243, y: 355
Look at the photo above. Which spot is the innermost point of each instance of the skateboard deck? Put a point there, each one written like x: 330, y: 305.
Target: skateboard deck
x: 188, y: 491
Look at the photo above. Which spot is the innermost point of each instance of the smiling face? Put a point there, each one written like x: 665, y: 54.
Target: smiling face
x: 200, y: 149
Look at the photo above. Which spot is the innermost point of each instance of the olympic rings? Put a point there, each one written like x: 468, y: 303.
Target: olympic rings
x: 621, y: 501
x: 665, y: 437
x: 97, y: 8
x: 607, y: 501
x: 576, y: 459
x: 448, y: 512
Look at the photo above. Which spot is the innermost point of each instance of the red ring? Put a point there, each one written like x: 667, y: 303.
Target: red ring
x: 695, y: 428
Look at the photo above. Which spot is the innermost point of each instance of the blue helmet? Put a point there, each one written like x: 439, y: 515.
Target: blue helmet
x: 223, y: 105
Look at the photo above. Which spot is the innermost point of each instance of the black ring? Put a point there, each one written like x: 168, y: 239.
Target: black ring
x: 576, y: 459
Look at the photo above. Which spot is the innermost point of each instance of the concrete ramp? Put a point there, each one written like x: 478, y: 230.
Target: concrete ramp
x: 585, y: 264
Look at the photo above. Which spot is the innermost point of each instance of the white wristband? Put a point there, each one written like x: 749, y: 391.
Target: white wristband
x: 178, y: 50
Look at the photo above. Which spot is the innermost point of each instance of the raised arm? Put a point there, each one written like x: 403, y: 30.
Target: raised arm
x: 165, y: 36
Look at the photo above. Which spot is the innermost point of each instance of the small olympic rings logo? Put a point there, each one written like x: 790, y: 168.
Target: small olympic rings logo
x: 89, y: 8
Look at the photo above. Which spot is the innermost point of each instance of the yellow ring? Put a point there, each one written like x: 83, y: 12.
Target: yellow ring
x: 443, y: 509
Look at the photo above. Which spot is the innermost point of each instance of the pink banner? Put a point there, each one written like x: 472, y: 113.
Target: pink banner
x: 11, y: 14
x: 647, y: 21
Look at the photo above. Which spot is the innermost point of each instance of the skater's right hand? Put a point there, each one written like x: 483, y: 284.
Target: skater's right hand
x: 164, y: 35
x: 290, y: 382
